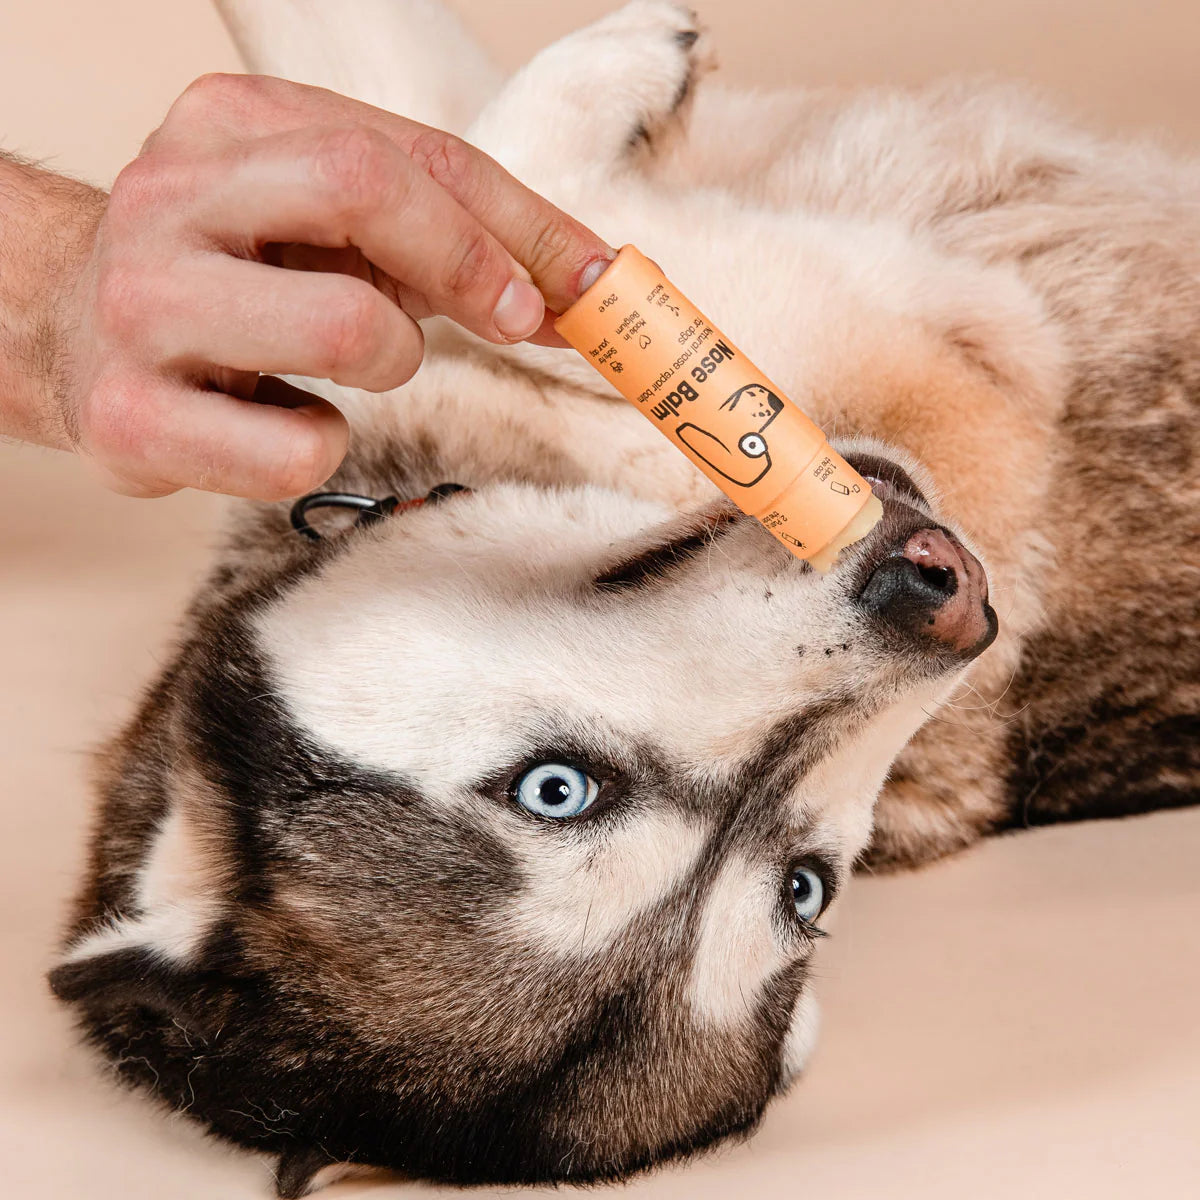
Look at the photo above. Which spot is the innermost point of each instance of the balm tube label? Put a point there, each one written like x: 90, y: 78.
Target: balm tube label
x: 669, y: 360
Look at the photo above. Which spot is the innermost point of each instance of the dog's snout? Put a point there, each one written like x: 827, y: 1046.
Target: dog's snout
x: 933, y: 589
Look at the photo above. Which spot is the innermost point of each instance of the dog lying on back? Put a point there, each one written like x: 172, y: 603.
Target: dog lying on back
x: 489, y: 841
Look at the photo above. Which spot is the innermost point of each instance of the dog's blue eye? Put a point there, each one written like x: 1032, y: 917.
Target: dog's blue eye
x: 808, y: 894
x: 556, y: 790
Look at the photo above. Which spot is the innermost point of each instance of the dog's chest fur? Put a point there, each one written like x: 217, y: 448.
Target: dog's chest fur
x: 960, y: 276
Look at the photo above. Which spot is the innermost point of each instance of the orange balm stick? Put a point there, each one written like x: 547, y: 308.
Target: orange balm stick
x: 669, y: 360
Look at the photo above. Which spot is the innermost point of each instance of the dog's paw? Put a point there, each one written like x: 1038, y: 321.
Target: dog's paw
x: 645, y: 59
x: 599, y: 94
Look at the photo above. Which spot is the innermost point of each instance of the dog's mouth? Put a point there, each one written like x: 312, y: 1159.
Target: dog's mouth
x: 913, y: 575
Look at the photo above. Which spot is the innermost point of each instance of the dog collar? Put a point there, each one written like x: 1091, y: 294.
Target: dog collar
x: 369, y: 508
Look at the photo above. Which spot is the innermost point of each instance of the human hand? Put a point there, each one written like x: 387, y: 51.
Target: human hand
x: 276, y: 228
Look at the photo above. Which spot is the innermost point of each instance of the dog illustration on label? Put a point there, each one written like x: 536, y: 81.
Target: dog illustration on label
x: 735, y: 447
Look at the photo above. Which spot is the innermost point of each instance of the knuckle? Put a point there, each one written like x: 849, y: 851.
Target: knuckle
x: 348, y: 334
x: 211, y: 85
x: 213, y: 91
x: 224, y: 102
x: 148, y: 193
x: 469, y: 263
x: 552, y: 242
x: 446, y: 159
x: 115, y: 423
x: 140, y: 187
x: 122, y: 294
x: 358, y: 164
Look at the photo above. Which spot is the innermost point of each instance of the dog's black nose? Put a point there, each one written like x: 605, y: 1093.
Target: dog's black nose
x: 934, y: 589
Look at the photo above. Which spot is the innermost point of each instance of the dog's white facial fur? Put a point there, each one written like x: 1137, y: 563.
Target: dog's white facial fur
x: 454, y: 642
x: 486, y: 597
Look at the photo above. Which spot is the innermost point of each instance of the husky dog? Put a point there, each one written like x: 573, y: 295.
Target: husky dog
x: 489, y: 840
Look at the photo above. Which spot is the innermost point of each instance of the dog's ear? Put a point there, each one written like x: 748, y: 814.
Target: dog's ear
x: 133, y: 976
x: 305, y: 1170
x: 129, y: 985
x: 296, y: 1174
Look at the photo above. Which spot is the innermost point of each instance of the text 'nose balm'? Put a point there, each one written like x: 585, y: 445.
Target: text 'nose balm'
x: 669, y: 360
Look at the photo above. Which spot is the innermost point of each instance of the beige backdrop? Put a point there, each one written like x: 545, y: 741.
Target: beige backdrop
x: 85, y: 82
x: 1022, y: 1021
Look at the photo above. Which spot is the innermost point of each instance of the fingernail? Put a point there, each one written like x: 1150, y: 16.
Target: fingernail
x: 519, y: 311
x: 592, y: 272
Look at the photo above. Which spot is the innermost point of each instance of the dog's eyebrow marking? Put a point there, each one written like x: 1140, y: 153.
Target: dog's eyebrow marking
x: 578, y: 899
x: 795, y: 745
x: 737, y: 950
x: 659, y: 561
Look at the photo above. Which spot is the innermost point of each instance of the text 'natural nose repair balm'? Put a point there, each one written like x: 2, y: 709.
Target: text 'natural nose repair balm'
x: 669, y: 360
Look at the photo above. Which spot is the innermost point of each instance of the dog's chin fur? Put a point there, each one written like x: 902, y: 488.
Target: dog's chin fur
x: 318, y: 918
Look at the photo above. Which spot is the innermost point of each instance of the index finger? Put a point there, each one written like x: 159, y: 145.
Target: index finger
x: 561, y: 254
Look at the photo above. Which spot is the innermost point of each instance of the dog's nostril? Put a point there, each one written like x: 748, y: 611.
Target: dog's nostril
x: 941, y: 578
x: 933, y: 590
x: 923, y: 578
